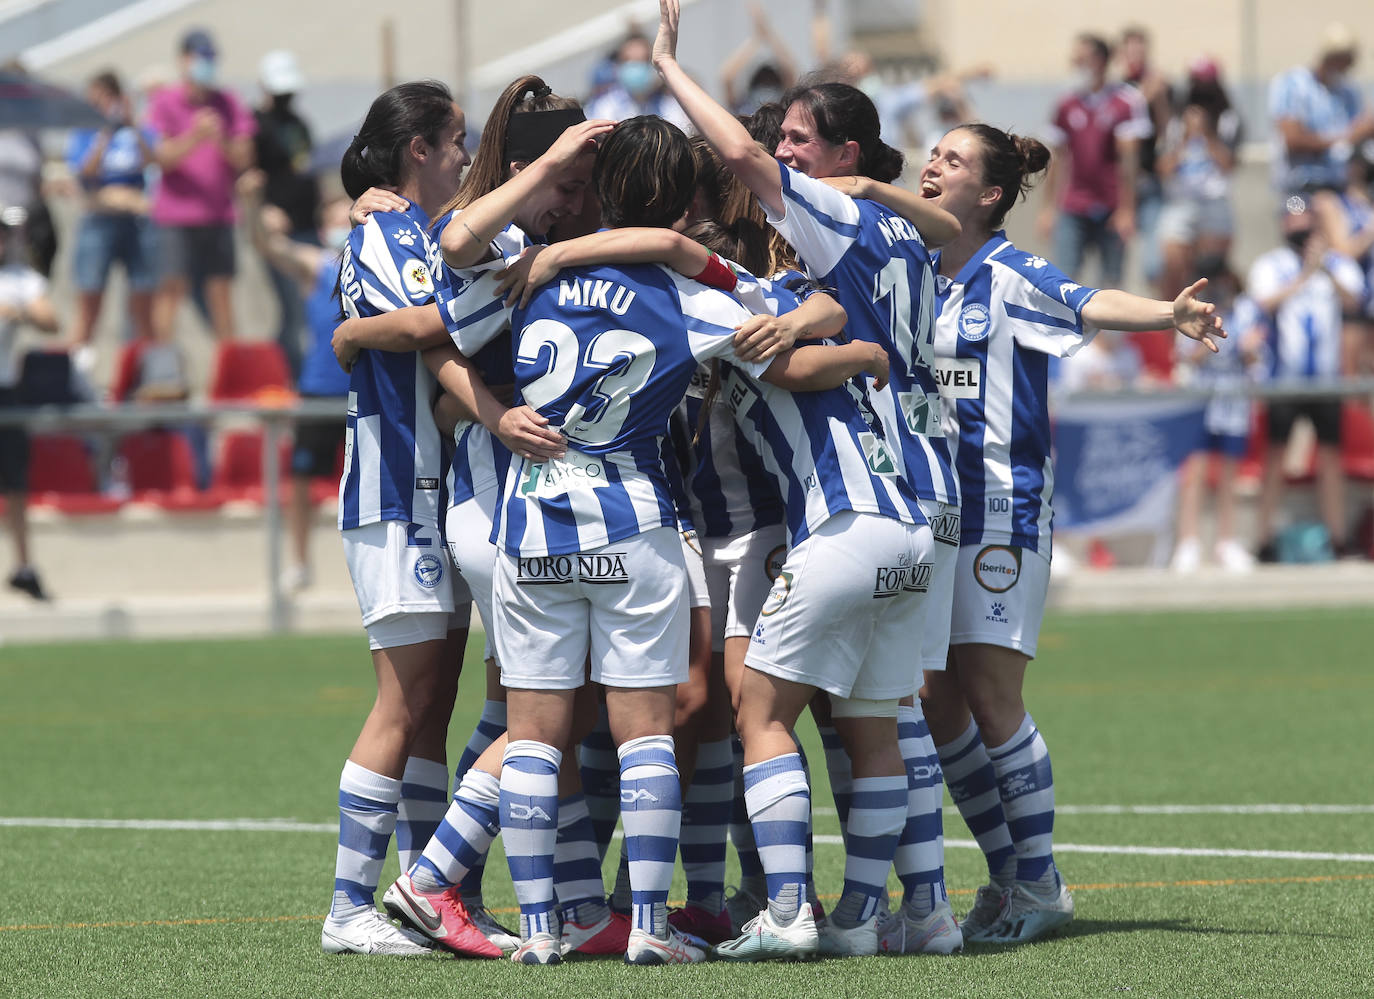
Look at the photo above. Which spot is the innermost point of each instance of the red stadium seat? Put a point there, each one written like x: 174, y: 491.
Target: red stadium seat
x: 253, y: 372
x: 161, y: 471
x: 61, y: 476
x: 238, y: 469
x: 1357, y: 441
x: 1156, y: 350
x: 126, y: 370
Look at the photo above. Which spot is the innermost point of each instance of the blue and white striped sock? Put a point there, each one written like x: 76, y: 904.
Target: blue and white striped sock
x: 490, y: 727
x: 811, y: 896
x: 600, y: 771
x: 741, y: 829
x: 576, y: 866
x: 367, y: 818
x: 920, y: 858
x: 529, y: 827
x: 424, y: 800
x: 651, y: 810
x: 464, y: 836
x: 972, y: 783
x: 779, y: 807
x: 706, y: 811
x: 838, y: 768
x: 1026, y: 783
x: 877, y: 812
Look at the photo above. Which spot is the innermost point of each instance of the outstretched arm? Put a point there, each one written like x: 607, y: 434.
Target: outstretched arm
x: 823, y: 366
x: 1120, y: 310
x: 752, y: 164
x: 936, y: 226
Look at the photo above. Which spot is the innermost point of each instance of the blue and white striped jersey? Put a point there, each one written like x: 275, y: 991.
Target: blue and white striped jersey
x: 1306, y: 327
x: 1000, y: 318
x: 393, y: 458
x: 606, y: 354
x: 479, y: 324
x: 825, y: 450
x: 879, y: 267
x: 1299, y: 95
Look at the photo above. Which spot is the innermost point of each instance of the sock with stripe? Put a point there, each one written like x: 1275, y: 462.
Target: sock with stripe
x: 779, y: 804
x: 600, y: 771
x: 742, y: 830
x: 1026, y: 784
x: 529, y: 828
x: 877, y: 813
x: 489, y: 728
x: 464, y: 836
x: 920, y: 857
x: 838, y: 768
x: 972, y: 783
x: 424, y: 800
x: 651, y: 810
x: 577, y: 880
x: 811, y: 896
x: 706, y: 809
x: 367, y: 818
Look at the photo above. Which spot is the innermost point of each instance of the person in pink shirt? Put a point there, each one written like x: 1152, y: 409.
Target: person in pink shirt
x: 1090, y: 190
x: 204, y: 141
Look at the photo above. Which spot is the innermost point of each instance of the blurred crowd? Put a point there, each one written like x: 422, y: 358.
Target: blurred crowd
x: 1142, y: 164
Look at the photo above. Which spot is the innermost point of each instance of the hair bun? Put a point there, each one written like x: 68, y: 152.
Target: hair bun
x: 1035, y: 156
x: 543, y: 91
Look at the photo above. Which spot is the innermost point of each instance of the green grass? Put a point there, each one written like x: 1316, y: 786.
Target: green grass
x: 1138, y: 709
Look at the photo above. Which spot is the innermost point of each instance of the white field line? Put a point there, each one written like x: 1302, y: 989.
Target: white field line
x: 289, y: 825
x: 1182, y: 810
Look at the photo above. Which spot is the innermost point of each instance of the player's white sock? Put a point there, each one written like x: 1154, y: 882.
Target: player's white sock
x: 706, y: 811
x: 651, y: 811
x: 464, y: 836
x: 742, y: 830
x: 489, y: 728
x: 367, y: 818
x: 877, y: 812
x: 920, y: 857
x: 576, y: 866
x: 600, y: 771
x: 529, y: 828
x: 424, y: 800
x: 1026, y: 783
x: 779, y: 805
x: 972, y: 783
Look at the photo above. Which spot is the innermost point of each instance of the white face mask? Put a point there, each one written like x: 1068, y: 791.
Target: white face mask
x: 202, y: 71
x: 335, y: 237
x: 1082, y: 80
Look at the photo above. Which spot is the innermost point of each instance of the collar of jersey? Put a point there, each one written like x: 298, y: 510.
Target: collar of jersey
x: 997, y: 240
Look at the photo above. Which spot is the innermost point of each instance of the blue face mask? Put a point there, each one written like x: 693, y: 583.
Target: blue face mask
x: 336, y: 237
x: 636, y: 77
x: 202, y: 71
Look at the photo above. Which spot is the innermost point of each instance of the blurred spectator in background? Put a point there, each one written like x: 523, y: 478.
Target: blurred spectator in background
x: 1137, y: 71
x: 110, y: 163
x: 1303, y: 287
x: 21, y: 185
x: 283, y: 147
x: 23, y: 301
x: 315, y: 269
x: 205, y: 140
x: 1226, y: 420
x: 769, y: 80
x: 1197, y: 157
x: 1091, y: 185
x: 1318, y: 116
x: 1346, y: 219
x: 636, y: 90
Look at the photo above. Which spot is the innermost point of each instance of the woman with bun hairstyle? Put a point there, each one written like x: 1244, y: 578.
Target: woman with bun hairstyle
x: 1001, y: 313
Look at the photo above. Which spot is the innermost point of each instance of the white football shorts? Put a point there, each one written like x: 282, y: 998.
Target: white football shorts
x: 405, y: 583
x: 938, y: 604
x: 844, y: 612
x: 697, y: 593
x: 467, y: 528
x: 624, y: 603
x: 999, y: 597
x: 740, y: 570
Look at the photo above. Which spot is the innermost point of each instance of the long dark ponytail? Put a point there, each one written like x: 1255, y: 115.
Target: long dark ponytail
x: 375, y: 156
x: 842, y: 114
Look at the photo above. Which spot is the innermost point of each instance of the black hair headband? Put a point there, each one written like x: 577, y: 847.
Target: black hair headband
x: 529, y: 135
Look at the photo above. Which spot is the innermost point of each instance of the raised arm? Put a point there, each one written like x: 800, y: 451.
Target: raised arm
x: 466, y: 240
x: 752, y: 164
x: 815, y: 367
x: 416, y: 327
x: 936, y: 226
x: 1110, y: 309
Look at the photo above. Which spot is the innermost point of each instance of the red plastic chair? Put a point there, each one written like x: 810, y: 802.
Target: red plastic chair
x: 1156, y: 350
x: 250, y: 371
x: 1357, y: 441
x: 126, y: 370
x: 161, y: 471
x: 238, y: 470
x: 61, y: 476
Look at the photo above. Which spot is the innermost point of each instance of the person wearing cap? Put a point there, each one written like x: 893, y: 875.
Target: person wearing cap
x: 204, y: 141
x: 1318, y: 116
x: 284, y: 145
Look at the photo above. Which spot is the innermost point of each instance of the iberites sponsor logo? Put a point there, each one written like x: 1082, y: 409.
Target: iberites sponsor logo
x: 997, y: 568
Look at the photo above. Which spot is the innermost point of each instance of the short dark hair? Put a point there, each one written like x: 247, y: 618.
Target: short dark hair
x: 1100, y: 46
x: 645, y: 174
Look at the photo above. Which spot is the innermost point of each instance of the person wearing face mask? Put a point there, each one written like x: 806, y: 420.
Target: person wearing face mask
x: 204, y: 141
x: 312, y: 265
x: 769, y: 80
x: 1319, y: 117
x: 283, y: 146
x: 1090, y: 190
x: 636, y: 90
x: 1302, y: 287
